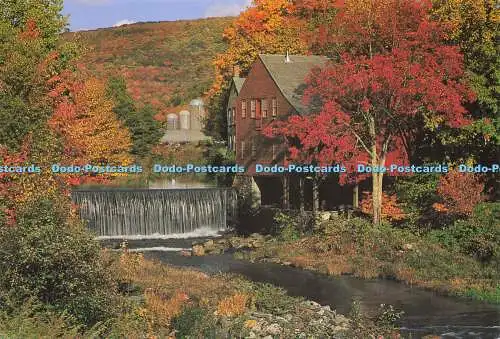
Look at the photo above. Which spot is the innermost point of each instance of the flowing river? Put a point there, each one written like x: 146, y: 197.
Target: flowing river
x: 425, y: 312
x: 172, y: 216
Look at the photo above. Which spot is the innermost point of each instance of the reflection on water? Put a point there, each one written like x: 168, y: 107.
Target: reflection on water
x: 178, y: 184
x: 425, y: 312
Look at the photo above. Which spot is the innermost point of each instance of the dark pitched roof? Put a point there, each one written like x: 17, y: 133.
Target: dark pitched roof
x: 238, y: 83
x: 290, y: 77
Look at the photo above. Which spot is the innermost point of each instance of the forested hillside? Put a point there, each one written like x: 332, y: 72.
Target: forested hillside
x: 165, y: 64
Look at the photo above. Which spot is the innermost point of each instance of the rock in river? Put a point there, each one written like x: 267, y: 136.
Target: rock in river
x: 198, y: 250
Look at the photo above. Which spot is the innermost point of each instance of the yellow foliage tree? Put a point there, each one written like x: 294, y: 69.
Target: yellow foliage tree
x: 475, y: 26
x: 90, y: 129
x: 267, y: 26
x: 92, y: 132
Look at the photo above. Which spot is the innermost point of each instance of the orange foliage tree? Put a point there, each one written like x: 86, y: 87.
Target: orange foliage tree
x: 267, y: 26
x: 391, y: 209
x: 86, y: 122
x: 460, y: 193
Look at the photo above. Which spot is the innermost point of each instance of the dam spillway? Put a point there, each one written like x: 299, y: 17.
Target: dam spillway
x: 155, y: 213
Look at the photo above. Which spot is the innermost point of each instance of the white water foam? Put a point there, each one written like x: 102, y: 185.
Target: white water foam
x: 199, y: 233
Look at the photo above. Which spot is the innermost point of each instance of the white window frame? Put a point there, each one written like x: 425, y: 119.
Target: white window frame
x: 264, y: 104
x: 274, y: 108
x: 242, y: 150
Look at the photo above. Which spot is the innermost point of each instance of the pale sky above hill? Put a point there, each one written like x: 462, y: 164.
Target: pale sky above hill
x: 91, y: 14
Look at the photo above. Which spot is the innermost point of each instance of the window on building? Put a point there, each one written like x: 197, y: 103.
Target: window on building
x: 229, y: 116
x: 242, y: 150
x: 275, y: 107
x: 253, y: 108
x: 243, y: 108
x: 254, y: 148
x: 265, y: 108
x: 275, y: 151
x: 233, y: 148
x: 234, y: 116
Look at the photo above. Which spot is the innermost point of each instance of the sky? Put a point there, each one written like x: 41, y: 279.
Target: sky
x: 91, y: 14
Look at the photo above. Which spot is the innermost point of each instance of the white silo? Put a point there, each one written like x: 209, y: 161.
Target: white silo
x: 172, y: 121
x: 185, y: 118
x: 198, y: 113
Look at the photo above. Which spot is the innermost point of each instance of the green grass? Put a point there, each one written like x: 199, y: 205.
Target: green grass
x: 358, y: 248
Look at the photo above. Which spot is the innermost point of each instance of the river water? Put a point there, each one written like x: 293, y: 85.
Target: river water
x: 425, y: 312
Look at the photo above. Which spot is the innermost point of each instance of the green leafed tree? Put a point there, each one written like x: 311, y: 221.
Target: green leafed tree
x: 30, y: 55
x: 475, y: 27
x: 145, y: 130
x: 51, y: 259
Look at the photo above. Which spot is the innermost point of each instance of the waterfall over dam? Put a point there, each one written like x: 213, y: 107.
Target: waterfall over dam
x: 155, y: 213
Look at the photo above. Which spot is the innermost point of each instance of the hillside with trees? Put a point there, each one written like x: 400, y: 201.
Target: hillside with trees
x: 165, y: 64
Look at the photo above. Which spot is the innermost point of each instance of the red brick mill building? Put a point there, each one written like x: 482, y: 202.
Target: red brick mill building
x: 272, y: 90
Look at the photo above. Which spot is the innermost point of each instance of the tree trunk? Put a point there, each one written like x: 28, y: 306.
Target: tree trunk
x: 355, y: 196
x: 315, y: 192
x: 286, y: 192
x: 377, y: 163
x: 377, y: 198
x: 301, y: 188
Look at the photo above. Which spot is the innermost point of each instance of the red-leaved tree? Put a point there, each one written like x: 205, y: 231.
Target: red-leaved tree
x: 368, y: 105
x: 460, y: 193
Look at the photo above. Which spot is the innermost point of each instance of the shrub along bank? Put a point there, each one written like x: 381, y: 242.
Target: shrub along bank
x: 462, y: 259
x: 51, y: 260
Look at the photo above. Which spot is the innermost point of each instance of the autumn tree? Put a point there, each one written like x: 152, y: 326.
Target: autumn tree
x: 41, y: 148
x: 47, y: 14
x: 460, y: 193
x: 364, y: 27
x: 90, y: 129
x: 474, y: 27
x: 29, y: 55
x: 396, y: 72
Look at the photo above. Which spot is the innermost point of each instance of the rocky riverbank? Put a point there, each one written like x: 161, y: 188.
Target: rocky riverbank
x: 313, y: 319
x: 227, y: 244
x: 354, y: 247
x: 179, y: 303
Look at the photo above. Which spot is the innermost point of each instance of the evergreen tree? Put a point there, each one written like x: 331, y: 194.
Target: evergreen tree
x: 145, y: 130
